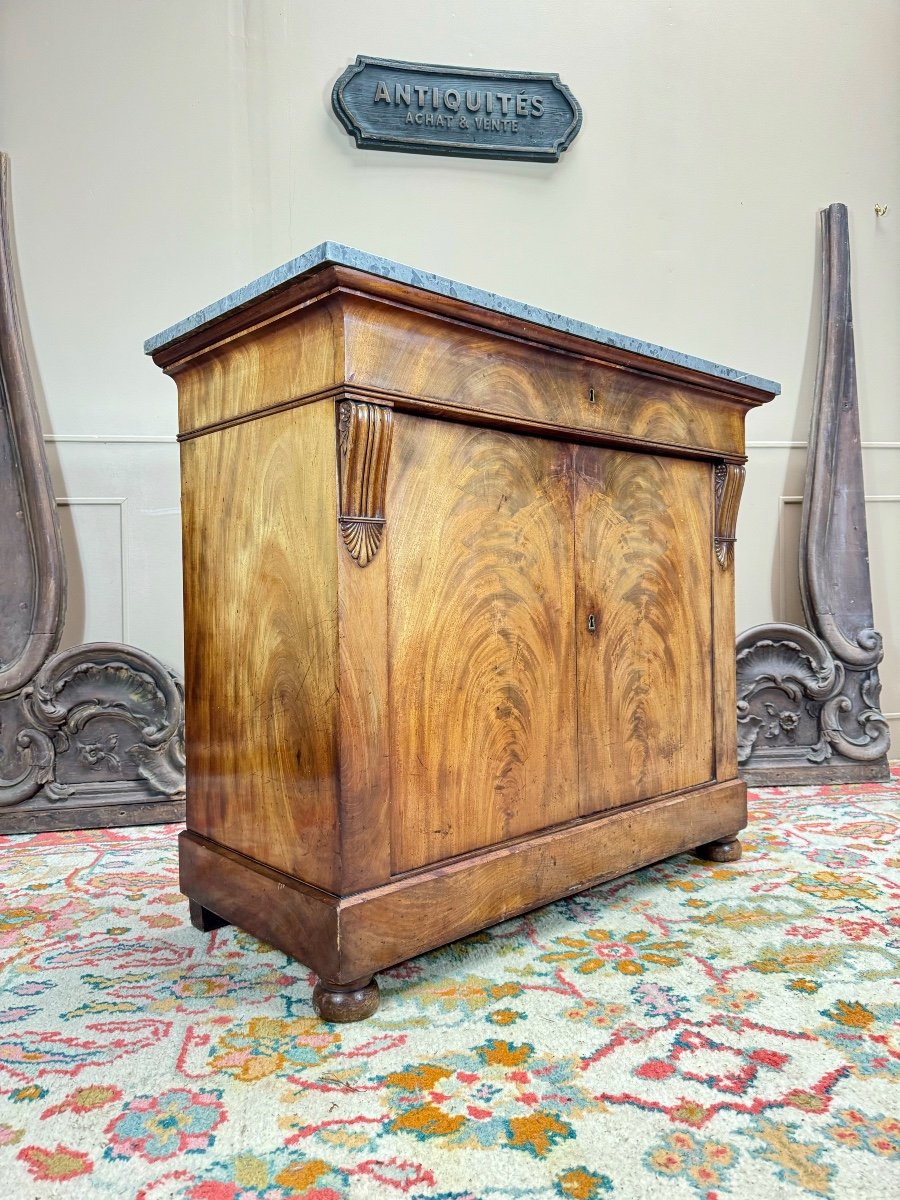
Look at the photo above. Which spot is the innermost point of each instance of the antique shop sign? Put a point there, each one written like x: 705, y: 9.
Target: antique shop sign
x: 421, y: 109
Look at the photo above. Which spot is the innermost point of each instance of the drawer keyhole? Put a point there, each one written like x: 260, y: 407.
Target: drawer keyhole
x: 592, y: 623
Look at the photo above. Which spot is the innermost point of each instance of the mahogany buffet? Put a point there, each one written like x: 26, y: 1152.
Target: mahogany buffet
x: 459, y: 610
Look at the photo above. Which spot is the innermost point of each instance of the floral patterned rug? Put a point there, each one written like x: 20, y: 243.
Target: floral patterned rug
x: 717, y: 1031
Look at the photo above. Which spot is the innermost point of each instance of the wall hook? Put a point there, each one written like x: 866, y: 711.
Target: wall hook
x: 880, y: 210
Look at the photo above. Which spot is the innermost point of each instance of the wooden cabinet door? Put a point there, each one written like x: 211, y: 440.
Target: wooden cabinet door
x: 643, y: 534
x: 481, y: 587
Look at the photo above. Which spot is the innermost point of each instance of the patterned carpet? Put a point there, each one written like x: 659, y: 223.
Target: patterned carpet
x: 713, y: 1031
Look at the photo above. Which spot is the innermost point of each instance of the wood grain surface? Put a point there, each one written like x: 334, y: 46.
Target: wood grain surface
x: 274, y: 905
x: 458, y: 638
x: 366, y: 705
x: 271, y: 308
x: 433, y: 907
x: 344, y: 939
x: 296, y: 354
x: 259, y: 506
x: 645, y: 709
x: 480, y: 615
x: 424, y: 356
x: 390, y: 352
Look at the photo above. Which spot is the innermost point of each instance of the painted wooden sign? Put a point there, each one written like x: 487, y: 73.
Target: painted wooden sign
x: 422, y: 109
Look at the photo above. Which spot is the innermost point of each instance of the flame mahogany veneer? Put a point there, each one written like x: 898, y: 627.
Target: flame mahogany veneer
x: 459, y: 618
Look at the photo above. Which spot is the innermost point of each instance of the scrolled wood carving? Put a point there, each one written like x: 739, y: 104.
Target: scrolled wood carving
x: 102, y: 709
x: 729, y: 486
x: 364, y: 435
x: 33, y: 604
x: 807, y: 699
x: 84, y: 732
x: 834, y: 547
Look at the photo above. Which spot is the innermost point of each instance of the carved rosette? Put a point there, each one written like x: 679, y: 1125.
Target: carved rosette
x: 364, y: 436
x: 729, y: 486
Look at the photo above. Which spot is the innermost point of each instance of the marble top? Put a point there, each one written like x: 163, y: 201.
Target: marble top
x: 346, y: 256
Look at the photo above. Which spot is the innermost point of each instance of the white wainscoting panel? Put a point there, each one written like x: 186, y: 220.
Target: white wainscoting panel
x: 120, y: 518
x: 93, y: 533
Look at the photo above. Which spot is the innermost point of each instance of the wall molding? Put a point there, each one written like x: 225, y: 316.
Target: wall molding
x: 120, y: 502
x: 869, y: 499
x: 100, y: 438
x: 805, y: 445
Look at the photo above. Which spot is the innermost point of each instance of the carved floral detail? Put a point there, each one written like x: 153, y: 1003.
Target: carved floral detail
x: 784, y: 722
x: 792, y: 660
x: 100, y: 680
x: 101, y: 754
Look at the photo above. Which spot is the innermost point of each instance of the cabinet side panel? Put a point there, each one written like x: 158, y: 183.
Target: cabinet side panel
x: 257, y: 369
x: 365, y: 435
x: 259, y: 514
x: 480, y: 630
x: 644, y: 531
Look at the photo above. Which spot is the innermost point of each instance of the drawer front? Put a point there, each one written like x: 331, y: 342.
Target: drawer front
x: 479, y: 374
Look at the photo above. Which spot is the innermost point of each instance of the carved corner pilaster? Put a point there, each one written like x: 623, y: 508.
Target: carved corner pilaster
x: 364, y: 436
x: 729, y: 486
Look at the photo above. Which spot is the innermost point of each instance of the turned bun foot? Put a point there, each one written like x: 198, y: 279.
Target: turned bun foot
x: 723, y: 850
x: 203, y: 919
x: 345, y: 1002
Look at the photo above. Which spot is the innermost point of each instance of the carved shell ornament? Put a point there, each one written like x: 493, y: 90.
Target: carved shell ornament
x: 797, y: 663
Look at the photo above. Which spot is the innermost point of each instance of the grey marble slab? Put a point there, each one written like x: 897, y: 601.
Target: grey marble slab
x: 346, y: 256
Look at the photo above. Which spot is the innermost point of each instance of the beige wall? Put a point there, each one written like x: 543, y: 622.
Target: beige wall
x: 166, y: 151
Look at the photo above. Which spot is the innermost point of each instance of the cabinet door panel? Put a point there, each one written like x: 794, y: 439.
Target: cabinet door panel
x: 481, y: 619
x: 643, y: 564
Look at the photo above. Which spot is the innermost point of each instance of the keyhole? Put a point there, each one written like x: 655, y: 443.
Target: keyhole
x: 592, y: 623
x: 592, y: 399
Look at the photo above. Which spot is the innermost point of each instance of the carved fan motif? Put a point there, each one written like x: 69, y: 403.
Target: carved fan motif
x: 362, y: 538
x: 795, y: 669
